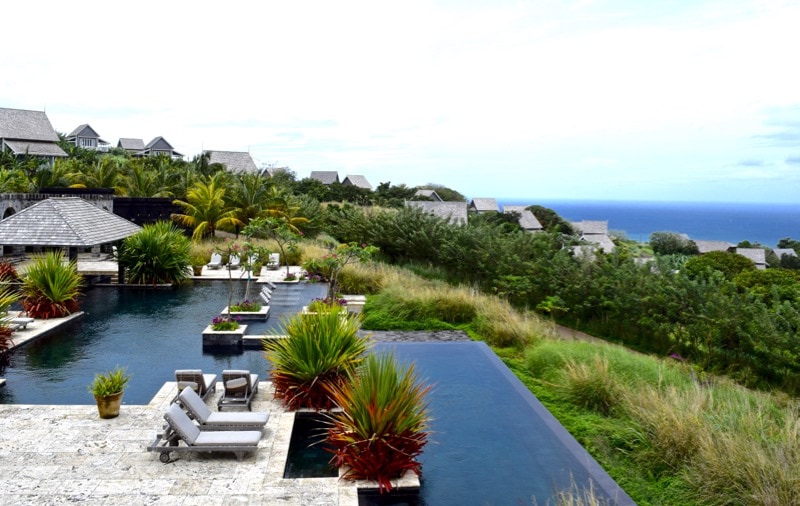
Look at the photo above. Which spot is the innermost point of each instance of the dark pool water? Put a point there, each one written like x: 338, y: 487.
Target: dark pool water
x: 493, y: 442
x: 151, y: 332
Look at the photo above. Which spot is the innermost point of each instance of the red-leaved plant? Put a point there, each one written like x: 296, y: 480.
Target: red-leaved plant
x: 320, y: 352
x: 382, y: 427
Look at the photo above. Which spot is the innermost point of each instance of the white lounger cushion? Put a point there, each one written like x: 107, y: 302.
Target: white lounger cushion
x: 195, y: 405
x: 193, y: 436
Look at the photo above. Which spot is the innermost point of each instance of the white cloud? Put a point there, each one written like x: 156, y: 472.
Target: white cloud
x: 424, y: 91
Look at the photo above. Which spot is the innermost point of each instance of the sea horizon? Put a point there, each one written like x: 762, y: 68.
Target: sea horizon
x: 763, y: 223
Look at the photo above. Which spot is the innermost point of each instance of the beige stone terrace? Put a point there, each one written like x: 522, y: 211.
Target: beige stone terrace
x: 67, y: 454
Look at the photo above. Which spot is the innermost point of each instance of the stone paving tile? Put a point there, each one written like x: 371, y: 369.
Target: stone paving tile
x: 67, y: 454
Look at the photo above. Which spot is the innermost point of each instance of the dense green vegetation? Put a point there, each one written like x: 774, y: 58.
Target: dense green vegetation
x: 666, y: 431
x: 714, y: 310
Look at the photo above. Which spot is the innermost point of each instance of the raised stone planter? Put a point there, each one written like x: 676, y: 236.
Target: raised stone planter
x: 260, y: 315
x: 229, y: 338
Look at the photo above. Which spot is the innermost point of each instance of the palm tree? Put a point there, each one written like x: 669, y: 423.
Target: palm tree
x: 104, y: 173
x: 248, y: 195
x: 205, y: 209
x: 285, y: 208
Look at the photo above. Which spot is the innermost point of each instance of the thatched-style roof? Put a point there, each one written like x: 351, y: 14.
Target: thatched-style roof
x: 590, y: 227
x: 709, y: 246
x: 325, y: 176
x: 357, y: 181
x: 28, y: 132
x: 454, y: 212
x: 63, y: 222
x: 431, y: 194
x: 757, y: 255
x: 234, y: 161
x: 779, y: 252
x: 484, y: 205
x: 527, y: 220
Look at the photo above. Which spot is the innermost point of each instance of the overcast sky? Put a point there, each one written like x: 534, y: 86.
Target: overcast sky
x: 623, y: 100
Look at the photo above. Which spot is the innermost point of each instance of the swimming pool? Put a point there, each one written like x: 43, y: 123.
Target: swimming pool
x: 492, y: 441
x: 151, y: 332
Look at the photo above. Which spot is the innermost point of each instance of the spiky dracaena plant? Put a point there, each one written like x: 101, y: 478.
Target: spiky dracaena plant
x: 321, y: 351
x: 384, y: 423
x: 8, y: 296
x: 51, y: 287
x: 159, y: 253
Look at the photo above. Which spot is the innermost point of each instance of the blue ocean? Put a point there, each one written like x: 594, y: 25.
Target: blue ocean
x: 762, y: 223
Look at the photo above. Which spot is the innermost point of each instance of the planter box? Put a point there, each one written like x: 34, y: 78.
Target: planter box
x: 260, y: 315
x: 230, y: 338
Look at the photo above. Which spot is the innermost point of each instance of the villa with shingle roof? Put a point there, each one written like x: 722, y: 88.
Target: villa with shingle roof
x: 325, y: 176
x: 780, y: 252
x: 709, y: 246
x: 527, y: 220
x: 483, y: 205
x: 357, y: 181
x: 133, y: 146
x: 86, y: 137
x: 29, y: 133
x: 429, y: 194
x: 596, y: 233
x: 757, y: 255
x: 454, y: 212
x: 239, y: 162
x: 160, y: 146
x: 64, y: 222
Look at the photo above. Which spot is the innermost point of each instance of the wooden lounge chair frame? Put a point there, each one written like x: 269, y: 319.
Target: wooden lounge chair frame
x: 181, y: 428
x: 202, y: 384
x: 240, y: 388
x: 209, y: 420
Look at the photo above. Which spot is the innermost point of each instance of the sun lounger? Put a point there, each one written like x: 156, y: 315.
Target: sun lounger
x: 209, y: 420
x: 265, y: 294
x: 234, y: 262
x: 240, y: 387
x: 202, y: 384
x: 216, y: 261
x: 21, y: 321
x: 274, y: 261
x: 181, y: 428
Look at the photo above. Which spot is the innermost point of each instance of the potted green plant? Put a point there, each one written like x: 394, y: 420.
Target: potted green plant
x: 107, y: 389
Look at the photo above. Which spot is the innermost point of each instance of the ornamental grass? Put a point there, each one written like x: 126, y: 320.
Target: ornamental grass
x: 51, y: 287
x: 320, y: 352
x: 383, y: 425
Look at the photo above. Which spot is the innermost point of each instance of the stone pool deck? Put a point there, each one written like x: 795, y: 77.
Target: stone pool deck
x: 67, y: 454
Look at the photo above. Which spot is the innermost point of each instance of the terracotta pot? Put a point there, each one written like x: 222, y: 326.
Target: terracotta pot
x: 108, y: 405
x: 197, y: 270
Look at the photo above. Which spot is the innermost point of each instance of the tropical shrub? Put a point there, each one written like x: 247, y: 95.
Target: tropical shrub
x: 321, y: 351
x: 7, y: 272
x: 157, y: 254
x: 51, y: 287
x: 8, y: 296
x: 382, y: 427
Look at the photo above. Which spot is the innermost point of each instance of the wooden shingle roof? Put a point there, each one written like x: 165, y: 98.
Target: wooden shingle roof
x: 779, y: 252
x: 527, y: 220
x: 482, y: 205
x: 431, y: 194
x: 709, y: 246
x: 454, y: 212
x: 234, y: 161
x: 591, y: 227
x: 325, y: 176
x: 26, y: 125
x: 64, y: 221
x: 757, y: 255
x: 130, y: 144
x: 28, y: 132
x: 357, y: 181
